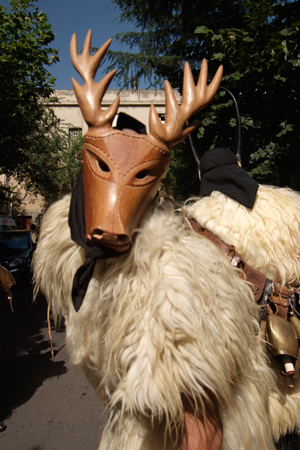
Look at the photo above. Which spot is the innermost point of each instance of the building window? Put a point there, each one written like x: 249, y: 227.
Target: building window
x: 74, y: 133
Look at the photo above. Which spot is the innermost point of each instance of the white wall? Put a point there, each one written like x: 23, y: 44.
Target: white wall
x: 135, y: 103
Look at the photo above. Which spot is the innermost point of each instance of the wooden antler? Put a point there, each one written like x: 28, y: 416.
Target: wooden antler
x: 90, y: 95
x: 194, y: 98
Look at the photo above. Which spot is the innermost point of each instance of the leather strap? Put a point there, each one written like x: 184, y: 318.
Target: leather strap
x: 256, y: 278
x: 274, y: 299
x: 279, y: 301
x: 228, y: 250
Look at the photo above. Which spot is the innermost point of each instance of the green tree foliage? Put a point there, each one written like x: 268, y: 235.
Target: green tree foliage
x: 258, y: 44
x: 51, y: 166
x: 25, y: 35
x: 9, y: 197
x: 70, y: 165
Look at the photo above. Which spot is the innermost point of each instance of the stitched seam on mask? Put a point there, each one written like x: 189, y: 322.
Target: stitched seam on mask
x: 118, y: 210
x: 137, y: 165
x: 140, y: 187
x: 118, y: 198
x: 95, y: 175
x: 133, y: 167
x: 108, y: 157
x: 132, y: 137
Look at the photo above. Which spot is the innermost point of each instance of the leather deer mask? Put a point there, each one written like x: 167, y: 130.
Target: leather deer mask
x: 122, y: 170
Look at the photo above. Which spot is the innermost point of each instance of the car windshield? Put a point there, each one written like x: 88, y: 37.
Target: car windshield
x: 14, y: 244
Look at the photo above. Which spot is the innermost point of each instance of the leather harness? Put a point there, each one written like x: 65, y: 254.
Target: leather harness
x: 280, y: 326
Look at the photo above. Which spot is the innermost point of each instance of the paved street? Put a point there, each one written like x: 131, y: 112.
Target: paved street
x: 45, y: 403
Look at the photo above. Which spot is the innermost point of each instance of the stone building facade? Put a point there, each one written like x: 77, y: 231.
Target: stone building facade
x: 133, y: 102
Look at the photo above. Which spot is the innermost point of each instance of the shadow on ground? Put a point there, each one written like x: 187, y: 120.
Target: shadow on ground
x: 25, y: 350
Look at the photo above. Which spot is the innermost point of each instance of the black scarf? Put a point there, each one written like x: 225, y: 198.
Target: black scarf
x: 93, y: 253
x: 220, y: 172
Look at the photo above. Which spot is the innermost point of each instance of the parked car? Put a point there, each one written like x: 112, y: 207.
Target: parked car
x: 7, y: 223
x: 16, y: 251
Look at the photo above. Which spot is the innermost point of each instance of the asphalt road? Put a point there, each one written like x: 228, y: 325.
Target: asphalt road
x: 45, y: 403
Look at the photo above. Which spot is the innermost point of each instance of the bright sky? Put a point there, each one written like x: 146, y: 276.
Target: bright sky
x: 78, y: 16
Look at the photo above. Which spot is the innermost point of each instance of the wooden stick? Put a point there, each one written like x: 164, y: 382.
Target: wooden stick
x: 49, y: 331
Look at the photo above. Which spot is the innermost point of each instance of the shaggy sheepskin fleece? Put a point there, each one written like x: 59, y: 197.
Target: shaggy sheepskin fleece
x: 268, y: 238
x: 168, y: 318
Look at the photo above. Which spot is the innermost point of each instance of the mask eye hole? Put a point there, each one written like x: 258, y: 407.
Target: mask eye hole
x: 142, y: 174
x: 103, y: 166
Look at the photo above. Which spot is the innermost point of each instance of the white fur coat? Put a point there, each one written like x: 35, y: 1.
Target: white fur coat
x: 169, y: 318
x: 268, y: 238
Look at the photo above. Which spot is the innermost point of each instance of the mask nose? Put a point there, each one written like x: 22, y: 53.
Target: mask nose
x: 119, y: 242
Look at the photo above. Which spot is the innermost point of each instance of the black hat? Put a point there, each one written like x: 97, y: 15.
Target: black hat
x: 220, y: 172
